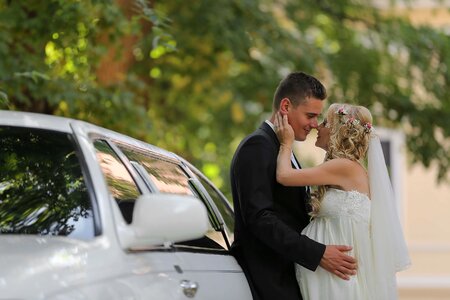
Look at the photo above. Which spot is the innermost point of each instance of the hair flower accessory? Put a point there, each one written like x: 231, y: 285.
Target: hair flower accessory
x: 342, y: 111
x: 368, y: 127
x: 352, y: 121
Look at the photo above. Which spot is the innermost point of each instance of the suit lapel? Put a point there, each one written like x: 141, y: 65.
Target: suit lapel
x: 269, y: 131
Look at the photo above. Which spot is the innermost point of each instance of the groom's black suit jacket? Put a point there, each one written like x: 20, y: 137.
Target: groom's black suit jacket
x: 269, y: 219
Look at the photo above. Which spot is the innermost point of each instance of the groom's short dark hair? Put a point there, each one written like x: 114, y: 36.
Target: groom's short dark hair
x: 298, y: 86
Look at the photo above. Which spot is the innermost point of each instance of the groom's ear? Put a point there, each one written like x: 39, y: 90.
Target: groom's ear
x: 285, y: 103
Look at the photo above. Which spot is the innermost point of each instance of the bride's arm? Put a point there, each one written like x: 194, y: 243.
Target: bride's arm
x: 285, y: 135
x: 334, y: 172
x: 285, y: 172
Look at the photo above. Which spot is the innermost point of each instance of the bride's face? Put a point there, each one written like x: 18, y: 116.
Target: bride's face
x: 323, y: 135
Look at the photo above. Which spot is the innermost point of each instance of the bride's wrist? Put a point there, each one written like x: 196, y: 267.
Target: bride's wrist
x: 285, y: 147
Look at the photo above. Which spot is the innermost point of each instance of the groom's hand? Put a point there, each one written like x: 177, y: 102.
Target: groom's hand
x: 335, y: 260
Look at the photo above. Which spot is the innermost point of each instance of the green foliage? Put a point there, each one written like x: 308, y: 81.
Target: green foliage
x: 198, y: 76
x: 50, y: 53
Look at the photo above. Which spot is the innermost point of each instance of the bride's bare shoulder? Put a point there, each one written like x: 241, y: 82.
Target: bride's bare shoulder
x: 341, y: 162
x: 344, y: 165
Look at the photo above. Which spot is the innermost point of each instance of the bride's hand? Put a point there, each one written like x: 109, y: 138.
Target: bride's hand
x: 283, y: 130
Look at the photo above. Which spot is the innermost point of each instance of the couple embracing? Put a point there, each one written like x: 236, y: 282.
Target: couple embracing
x: 343, y: 241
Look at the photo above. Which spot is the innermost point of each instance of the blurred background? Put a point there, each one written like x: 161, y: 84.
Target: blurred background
x: 195, y: 77
x: 423, y: 199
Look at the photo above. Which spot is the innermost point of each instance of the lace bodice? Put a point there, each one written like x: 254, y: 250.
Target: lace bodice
x: 338, y: 203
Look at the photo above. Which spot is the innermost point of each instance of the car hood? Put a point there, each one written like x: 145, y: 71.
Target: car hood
x: 43, y: 264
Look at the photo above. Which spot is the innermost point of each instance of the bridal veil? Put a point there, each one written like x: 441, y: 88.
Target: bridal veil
x: 388, y: 243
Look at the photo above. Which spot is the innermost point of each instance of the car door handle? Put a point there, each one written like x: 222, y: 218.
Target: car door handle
x: 189, y: 288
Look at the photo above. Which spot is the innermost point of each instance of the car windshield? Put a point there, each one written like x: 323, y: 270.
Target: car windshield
x: 42, y: 190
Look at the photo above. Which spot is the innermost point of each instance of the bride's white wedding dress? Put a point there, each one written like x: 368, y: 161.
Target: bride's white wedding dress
x: 343, y: 219
x: 371, y: 227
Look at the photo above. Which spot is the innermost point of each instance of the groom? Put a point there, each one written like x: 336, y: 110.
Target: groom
x: 269, y: 216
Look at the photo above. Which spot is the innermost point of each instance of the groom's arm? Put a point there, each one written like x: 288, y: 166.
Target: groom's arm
x: 254, y: 175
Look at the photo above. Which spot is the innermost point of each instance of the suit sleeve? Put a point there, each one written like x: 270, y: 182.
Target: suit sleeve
x: 254, y: 175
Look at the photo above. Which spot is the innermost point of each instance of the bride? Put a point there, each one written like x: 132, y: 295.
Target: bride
x: 353, y: 206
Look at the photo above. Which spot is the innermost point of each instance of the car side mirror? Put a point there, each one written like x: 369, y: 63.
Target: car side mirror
x: 164, y: 218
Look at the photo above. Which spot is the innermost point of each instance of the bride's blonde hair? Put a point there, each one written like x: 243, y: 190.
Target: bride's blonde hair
x: 350, y: 128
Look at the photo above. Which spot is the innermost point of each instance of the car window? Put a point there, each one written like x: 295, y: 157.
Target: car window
x: 169, y: 177
x: 120, y: 183
x: 221, y: 204
x: 42, y: 189
x: 166, y: 176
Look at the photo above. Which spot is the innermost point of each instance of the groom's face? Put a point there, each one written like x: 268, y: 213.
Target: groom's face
x: 304, y: 117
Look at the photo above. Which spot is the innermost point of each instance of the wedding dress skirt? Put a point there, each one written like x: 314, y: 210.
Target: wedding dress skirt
x: 343, y: 219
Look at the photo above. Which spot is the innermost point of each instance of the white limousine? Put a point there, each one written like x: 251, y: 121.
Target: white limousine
x: 88, y: 213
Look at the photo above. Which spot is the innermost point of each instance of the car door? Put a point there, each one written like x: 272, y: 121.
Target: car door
x: 207, y: 262
x: 149, y: 274
x: 54, y: 241
x: 207, y: 270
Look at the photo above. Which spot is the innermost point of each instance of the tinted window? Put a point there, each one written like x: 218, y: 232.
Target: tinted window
x: 221, y: 204
x: 42, y: 190
x: 169, y: 177
x: 120, y: 183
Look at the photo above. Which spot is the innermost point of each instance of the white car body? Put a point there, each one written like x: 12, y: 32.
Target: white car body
x: 122, y: 261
